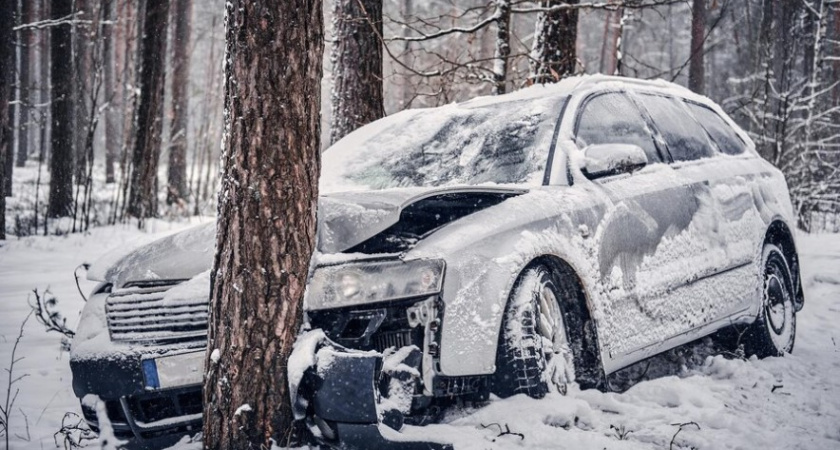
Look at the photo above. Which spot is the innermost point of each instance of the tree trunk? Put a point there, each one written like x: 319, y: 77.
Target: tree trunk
x: 7, y: 52
x: 696, y: 69
x: 357, y: 66
x: 142, y: 202
x: 61, y: 108
x: 609, y: 48
x: 27, y: 57
x: 9, y: 134
x: 502, y: 47
x: 44, y: 82
x: 81, y: 71
x: 177, y: 174
x: 112, y: 112
x: 266, y: 221
x: 553, y: 53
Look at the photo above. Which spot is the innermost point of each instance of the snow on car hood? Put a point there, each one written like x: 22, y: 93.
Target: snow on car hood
x: 344, y: 220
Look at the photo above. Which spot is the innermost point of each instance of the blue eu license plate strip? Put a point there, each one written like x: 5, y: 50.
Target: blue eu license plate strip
x: 150, y: 374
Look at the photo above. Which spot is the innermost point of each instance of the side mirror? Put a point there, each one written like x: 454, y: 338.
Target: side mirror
x: 602, y: 160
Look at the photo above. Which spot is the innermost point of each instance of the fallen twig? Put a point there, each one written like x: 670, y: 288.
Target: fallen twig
x: 681, y: 426
x: 503, y: 431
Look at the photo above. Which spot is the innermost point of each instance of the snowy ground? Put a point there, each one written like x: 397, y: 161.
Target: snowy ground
x: 784, y: 403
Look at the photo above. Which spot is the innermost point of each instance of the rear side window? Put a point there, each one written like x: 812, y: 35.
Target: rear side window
x: 612, y: 118
x: 724, y: 136
x: 686, y: 139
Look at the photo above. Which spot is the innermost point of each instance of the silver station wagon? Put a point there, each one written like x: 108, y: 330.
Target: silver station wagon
x: 504, y: 245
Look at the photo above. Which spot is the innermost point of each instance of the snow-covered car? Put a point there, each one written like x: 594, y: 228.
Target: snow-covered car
x: 504, y: 245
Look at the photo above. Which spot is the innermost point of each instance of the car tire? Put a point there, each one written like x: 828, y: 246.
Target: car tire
x: 534, y: 355
x: 774, y: 331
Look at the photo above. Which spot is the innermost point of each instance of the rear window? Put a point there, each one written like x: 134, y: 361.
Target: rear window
x: 686, y: 139
x: 724, y: 136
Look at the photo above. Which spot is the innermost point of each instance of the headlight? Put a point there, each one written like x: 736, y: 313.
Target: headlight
x: 372, y: 282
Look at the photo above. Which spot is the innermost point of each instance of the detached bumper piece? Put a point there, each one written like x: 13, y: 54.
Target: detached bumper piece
x: 353, y: 403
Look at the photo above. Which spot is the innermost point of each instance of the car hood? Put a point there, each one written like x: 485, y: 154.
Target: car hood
x: 345, y: 220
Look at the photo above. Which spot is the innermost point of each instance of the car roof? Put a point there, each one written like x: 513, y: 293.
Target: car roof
x: 572, y: 85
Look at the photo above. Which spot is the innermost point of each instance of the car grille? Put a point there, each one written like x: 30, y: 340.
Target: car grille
x: 138, y: 313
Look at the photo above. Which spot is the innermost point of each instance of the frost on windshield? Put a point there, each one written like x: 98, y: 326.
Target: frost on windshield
x: 502, y: 143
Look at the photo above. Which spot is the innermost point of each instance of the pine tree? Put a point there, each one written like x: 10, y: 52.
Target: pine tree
x: 61, y: 111
x: 553, y: 53
x: 266, y: 222
x: 142, y: 202
x: 357, y: 66
x: 177, y: 174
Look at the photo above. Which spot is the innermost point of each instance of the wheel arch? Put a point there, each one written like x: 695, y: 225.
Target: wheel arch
x: 780, y: 235
x: 577, y: 315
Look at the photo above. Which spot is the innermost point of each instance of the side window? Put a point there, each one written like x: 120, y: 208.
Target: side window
x: 612, y: 118
x: 685, y: 137
x: 724, y: 136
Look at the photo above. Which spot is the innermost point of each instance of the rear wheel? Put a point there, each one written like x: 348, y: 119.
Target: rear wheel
x: 534, y: 355
x: 774, y: 331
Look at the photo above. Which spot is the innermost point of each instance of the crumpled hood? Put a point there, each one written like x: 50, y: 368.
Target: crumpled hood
x: 344, y: 220
x: 349, y: 218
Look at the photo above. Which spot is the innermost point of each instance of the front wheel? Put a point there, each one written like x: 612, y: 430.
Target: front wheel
x: 774, y: 331
x: 534, y: 355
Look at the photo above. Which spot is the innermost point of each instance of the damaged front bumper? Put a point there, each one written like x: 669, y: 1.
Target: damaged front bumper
x: 357, y: 400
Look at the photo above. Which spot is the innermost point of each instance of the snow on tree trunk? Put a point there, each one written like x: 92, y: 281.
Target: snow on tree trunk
x: 177, y: 170
x: 502, y: 46
x: 357, y: 66
x: 61, y: 111
x: 142, y: 202
x: 696, y: 69
x: 553, y: 53
x: 266, y: 220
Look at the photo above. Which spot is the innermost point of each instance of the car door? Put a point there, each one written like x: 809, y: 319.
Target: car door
x: 710, y: 283
x: 643, y: 210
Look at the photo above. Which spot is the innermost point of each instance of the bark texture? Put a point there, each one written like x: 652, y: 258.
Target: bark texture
x: 610, y: 44
x: 266, y: 220
x: 112, y: 121
x: 502, y: 46
x: 6, y: 63
x: 9, y: 133
x: 357, y: 66
x: 27, y: 83
x: 61, y: 111
x: 81, y: 89
x: 696, y: 69
x: 553, y: 55
x: 177, y: 174
x: 142, y: 202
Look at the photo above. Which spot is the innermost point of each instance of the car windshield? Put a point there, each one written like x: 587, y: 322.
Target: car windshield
x: 499, y: 143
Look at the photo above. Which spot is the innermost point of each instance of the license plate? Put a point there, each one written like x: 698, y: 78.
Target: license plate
x: 165, y: 372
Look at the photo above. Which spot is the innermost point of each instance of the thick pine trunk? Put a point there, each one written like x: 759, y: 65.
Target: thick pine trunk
x: 555, y: 37
x: 6, y: 71
x: 177, y: 174
x: 112, y: 112
x: 266, y: 221
x: 61, y: 161
x: 502, y: 47
x: 696, y: 69
x: 27, y: 57
x: 357, y: 66
x: 142, y: 202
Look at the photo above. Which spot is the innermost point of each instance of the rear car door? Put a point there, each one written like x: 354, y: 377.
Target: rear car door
x: 643, y: 210
x: 709, y: 285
